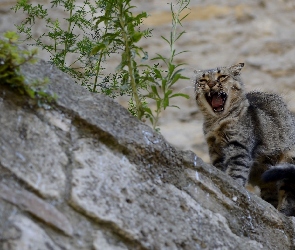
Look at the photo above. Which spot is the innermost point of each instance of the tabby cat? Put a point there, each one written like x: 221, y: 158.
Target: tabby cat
x: 250, y: 136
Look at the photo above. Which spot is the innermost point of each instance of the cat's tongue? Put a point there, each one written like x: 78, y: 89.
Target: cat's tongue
x: 217, y: 101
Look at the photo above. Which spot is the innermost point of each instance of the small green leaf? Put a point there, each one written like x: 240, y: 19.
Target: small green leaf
x: 164, y: 84
x: 159, y: 102
x: 165, y: 39
x: 174, y: 106
x: 142, y: 15
x: 148, y: 110
x: 157, y: 73
x: 11, y: 36
x: 98, y: 48
x: 137, y: 36
x: 160, y: 57
x: 154, y: 90
x: 180, y: 94
x: 165, y: 102
x: 169, y: 92
x: 175, y: 78
x: 30, y: 92
x: 171, y: 68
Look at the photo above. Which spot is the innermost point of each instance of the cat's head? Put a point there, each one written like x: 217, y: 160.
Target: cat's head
x: 219, y: 90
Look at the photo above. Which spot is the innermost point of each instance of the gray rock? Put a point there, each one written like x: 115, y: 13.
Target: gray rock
x: 36, y: 206
x: 23, y: 134
x: 25, y: 234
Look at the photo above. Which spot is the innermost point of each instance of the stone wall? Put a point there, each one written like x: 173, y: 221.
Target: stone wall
x: 84, y: 174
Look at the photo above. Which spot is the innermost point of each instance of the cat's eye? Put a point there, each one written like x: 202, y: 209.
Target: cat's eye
x: 203, y: 81
x: 222, y: 78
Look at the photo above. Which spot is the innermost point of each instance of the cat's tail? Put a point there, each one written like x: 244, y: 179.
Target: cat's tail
x: 279, y: 172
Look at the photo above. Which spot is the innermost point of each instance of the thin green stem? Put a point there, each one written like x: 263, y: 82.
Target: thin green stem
x: 156, y: 119
x: 68, y: 31
x: 129, y: 63
x: 98, y: 65
x: 108, y: 11
x: 97, y: 71
x: 175, y: 21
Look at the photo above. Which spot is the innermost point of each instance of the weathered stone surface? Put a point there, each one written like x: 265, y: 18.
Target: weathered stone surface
x: 37, y: 207
x: 25, y: 234
x: 101, y: 243
x: 110, y: 189
x: 22, y: 135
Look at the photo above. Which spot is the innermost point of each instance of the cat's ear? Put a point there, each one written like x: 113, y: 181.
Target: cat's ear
x: 236, y: 69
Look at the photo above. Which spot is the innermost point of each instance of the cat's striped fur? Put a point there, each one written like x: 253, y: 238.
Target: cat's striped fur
x: 250, y: 136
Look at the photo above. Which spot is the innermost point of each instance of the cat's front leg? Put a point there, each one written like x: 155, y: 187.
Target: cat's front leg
x: 230, y: 149
x: 237, y: 161
x: 232, y: 157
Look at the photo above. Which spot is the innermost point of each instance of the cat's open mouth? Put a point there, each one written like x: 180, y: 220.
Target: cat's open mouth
x: 216, y: 100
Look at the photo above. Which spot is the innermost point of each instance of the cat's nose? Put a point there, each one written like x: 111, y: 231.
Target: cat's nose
x: 211, y: 84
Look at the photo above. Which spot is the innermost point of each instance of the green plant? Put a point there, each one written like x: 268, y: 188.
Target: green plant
x: 115, y: 30
x: 62, y: 38
x: 124, y: 34
x: 12, y: 57
x: 140, y: 79
x: 161, y: 86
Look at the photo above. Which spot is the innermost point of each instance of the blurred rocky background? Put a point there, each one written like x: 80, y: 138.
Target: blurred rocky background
x: 260, y: 33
